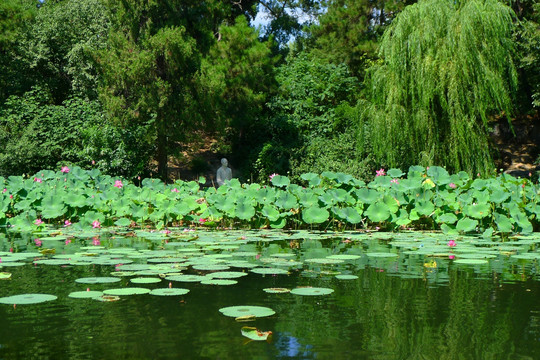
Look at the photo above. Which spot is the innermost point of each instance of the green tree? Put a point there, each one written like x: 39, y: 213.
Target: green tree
x: 350, y: 30
x: 15, y: 16
x: 58, y: 46
x: 447, y: 66
x: 237, y: 77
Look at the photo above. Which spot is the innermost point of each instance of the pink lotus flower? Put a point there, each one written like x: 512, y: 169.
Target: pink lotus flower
x: 96, y: 224
x: 67, y: 223
x: 166, y: 231
x: 380, y: 172
x: 452, y: 186
x: 65, y: 169
x: 11, y: 196
x: 96, y: 241
x: 3, y: 191
x: 451, y: 243
x: 38, y: 222
x: 93, y: 162
x: 37, y: 242
x: 174, y: 190
x: 118, y: 184
x: 202, y: 220
x: 38, y: 180
x: 451, y: 257
x: 10, y: 250
x: 272, y: 176
x: 394, y: 181
x: 68, y: 241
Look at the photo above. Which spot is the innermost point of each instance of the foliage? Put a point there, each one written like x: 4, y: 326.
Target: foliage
x: 349, y: 31
x: 57, y: 47
x: 427, y: 198
x: 446, y: 68
x: 15, y: 17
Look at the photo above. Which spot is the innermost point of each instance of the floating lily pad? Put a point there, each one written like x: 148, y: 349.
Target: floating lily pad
x: 107, y: 298
x: 344, y: 257
x: 255, y: 334
x: 186, y: 278
x: 97, y: 280
x: 326, y: 261
x: 311, y: 291
x: 169, y: 292
x: 219, y: 282
x: 126, y: 291
x: 5, y: 275
x: 85, y: 294
x: 245, y: 310
x: 277, y: 290
x: 211, y: 267
x: 27, y: 299
x: 381, y: 255
x: 269, y: 271
x: 145, y: 280
x: 52, y: 262
x: 227, y: 275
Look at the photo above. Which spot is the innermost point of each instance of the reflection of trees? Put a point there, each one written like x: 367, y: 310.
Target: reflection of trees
x: 380, y: 316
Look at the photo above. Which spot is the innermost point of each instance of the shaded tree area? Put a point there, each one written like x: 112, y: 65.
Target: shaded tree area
x: 336, y: 85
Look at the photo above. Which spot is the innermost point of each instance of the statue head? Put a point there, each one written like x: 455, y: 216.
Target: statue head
x: 224, y: 162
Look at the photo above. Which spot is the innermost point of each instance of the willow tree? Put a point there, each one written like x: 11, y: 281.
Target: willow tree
x: 446, y: 68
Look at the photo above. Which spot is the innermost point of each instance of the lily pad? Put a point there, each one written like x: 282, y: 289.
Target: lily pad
x: 269, y: 271
x: 219, y: 282
x: 97, y: 280
x: 169, y: 292
x: 186, y: 278
x: 5, y: 275
x: 85, y: 294
x: 27, y: 299
x: 145, y: 280
x: 126, y: 291
x: 471, y: 261
x: 312, y: 291
x: 277, y: 290
x: 227, y: 275
x: 255, y: 334
x: 245, y: 310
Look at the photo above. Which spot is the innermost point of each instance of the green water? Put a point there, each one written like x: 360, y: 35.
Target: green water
x: 388, y: 312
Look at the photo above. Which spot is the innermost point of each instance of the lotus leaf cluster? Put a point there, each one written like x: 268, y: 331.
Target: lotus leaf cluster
x: 423, y: 198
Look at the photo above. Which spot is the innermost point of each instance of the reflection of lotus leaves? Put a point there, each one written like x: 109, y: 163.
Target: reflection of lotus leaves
x: 126, y: 291
x: 227, y: 275
x: 277, y: 290
x: 123, y: 273
x: 210, y: 281
x: 97, y: 280
x: 85, y: 294
x: 186, y: 278
x: 269, y: 271
x: 27, y: 299
x: 311, y: 291
x: 169, y: 292
x: 241, y: 264
x: 476, y: 255
x: 145, y: 280
x: 244, y: 310
x: 346, y: 277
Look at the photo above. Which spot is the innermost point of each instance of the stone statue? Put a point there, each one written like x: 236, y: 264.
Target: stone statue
x: 224, y: 173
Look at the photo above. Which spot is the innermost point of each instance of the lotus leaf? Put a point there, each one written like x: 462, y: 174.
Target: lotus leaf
x: 126, y: 291
x: 145, y: 280
x: 245, y: 310
x: 269, y: 271
x: 210, y: 281
x: 85, y: 294
x: 311, y: 291
x: 169, y: 292
x: 27, y: 299
x: 97, y: 280
x: 276, y: 290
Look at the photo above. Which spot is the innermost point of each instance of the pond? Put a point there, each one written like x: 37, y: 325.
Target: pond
x: 376, y: 296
